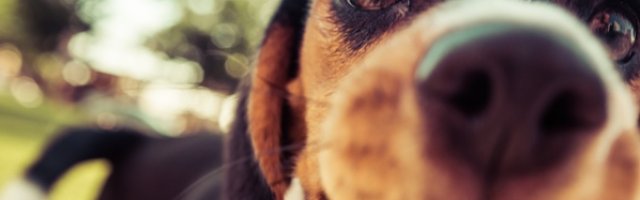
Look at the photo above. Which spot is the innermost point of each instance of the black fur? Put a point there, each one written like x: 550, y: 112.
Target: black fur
x: 359, y: 27
x: 243, y: 179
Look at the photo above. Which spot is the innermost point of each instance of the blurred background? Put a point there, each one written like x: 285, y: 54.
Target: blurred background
x: 168, y: 66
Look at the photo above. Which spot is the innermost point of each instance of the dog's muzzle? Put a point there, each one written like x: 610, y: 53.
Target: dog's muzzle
x: 510, y: 92
x: 483, y: 100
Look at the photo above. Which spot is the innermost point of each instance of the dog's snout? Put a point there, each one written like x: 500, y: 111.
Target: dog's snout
x: 509, y: 96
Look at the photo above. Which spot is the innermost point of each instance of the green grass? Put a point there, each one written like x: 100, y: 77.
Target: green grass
x: 24, y: 131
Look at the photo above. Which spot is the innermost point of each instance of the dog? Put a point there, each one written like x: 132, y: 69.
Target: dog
x: 432, y: 99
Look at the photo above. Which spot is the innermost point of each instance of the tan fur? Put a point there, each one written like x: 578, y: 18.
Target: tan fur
x: 319, y: 50
x: 635, y: 87
x: 374, y: 134
x: 622, y: 175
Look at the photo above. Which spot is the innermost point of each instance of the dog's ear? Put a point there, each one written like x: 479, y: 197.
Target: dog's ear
x: 276, y: 66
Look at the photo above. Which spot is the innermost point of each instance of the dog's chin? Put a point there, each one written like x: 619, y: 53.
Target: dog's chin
x: 379, y: 146
x: 295, y: 191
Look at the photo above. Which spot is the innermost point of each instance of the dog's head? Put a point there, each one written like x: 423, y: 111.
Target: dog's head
x: 425, y: 99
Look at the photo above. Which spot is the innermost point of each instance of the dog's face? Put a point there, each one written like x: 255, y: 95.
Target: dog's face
x: 425, y: 99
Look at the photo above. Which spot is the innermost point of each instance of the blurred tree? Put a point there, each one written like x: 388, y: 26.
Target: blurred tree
x: 221, y: 35
x: 48, y: 22
x: 37, y: 30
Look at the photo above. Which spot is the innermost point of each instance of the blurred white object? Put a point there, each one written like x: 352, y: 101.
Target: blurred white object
x: 22, y: 190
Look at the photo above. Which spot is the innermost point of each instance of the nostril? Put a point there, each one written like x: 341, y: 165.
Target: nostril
x: 473, y: 96
x: 507, y: 110
x: 560, y: 115
x: 570, y: 111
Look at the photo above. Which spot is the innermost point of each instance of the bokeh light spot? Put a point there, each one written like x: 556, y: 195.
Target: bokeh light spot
x: 201, y: 7
x: 26, y: 92
x: 225, y: 35
x: 10, y: 60
x: 237, y: 65
x: 106, y: 120
x: 76, y: 73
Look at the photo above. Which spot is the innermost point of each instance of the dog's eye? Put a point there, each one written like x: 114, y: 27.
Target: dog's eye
x: 372, y: 5
x: 616, y: 30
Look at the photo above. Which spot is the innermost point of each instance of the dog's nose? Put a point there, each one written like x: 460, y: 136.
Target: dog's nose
x: 509, y: 97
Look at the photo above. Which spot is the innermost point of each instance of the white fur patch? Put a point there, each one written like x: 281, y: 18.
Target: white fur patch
x: 228, y: 113
x: 294, y: 192
x: 22, y: 190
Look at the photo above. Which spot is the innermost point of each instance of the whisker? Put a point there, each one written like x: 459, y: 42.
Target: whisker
x: 230, y: 56
x: 282, y: 92
x: 171, y: 86
x: 211, y: 174
x: 314, y: 148
x: 218, y: 171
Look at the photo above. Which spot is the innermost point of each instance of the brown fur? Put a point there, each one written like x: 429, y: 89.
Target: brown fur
x: 265, y: 106
x: 635, y: 88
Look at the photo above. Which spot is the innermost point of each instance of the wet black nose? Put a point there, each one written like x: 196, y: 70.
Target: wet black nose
x: 508, y: 97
